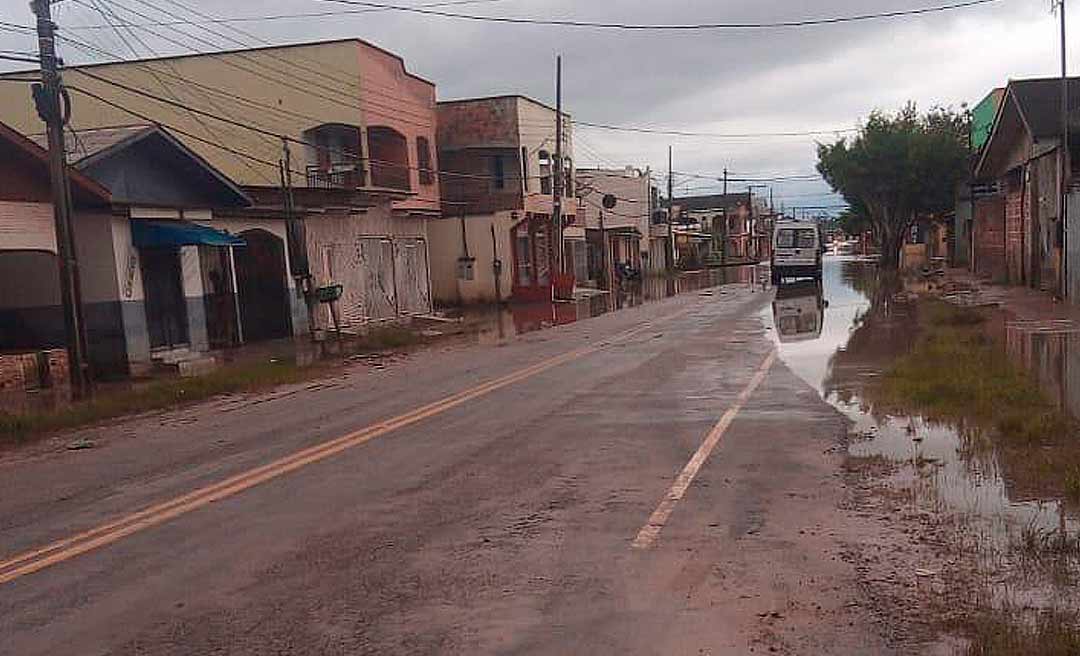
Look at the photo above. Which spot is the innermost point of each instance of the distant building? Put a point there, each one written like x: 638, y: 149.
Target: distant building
x: 497, y: 238
x: 730, y: 220
x: 625, y: 234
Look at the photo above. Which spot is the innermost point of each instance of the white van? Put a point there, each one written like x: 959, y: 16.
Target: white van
x: 797, y: 250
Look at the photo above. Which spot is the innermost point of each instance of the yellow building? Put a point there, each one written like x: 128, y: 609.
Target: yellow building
x: 360, y: 130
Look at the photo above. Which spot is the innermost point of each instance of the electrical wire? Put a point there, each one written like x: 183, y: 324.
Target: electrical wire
x: 286, y: 79
x: 276, y: 17
x: 668, y: 27
x: 714, y: 135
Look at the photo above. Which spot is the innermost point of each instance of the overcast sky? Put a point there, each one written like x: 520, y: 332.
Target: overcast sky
x: 782, y: 80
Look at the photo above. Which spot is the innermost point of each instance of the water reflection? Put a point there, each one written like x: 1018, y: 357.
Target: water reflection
x: 865, y: 325
x: 799, y: 311
x: 493, y: 325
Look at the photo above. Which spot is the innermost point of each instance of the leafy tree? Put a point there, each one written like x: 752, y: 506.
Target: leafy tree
x: 899, y: 169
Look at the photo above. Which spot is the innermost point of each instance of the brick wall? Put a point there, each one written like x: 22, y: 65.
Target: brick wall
x: 24, y: 371
x: 989, y: 236
x: 1014, y: 234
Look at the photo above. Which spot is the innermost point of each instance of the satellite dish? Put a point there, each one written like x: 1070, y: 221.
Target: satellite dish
x: 609, y: 201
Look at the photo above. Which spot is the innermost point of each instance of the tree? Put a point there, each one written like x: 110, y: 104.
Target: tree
x: 899, y: 169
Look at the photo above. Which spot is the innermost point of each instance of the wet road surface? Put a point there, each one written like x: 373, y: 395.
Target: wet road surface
x: 479, y: 499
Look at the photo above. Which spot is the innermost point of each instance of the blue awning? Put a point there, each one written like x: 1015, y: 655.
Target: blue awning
x: 148, y: 234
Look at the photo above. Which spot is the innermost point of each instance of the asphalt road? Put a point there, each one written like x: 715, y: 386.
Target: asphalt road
x: 468, y: 500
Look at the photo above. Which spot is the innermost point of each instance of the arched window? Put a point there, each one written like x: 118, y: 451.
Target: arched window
x: 389, y: 158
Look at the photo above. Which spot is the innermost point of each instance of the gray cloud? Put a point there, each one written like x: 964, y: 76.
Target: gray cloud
x: 742, y: 81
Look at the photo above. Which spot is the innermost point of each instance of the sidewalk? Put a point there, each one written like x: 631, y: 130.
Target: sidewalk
x: 962, y: 287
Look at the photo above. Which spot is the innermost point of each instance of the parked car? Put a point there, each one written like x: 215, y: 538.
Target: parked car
x: 797, y: 251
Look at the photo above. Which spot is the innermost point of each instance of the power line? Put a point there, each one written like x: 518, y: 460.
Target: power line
x: 300, y: 85
x: 668, y: 27
x: 102, y: 7
x: 179, y: 131
x: 715, y: 135
x: 275, y: 17
x: 315, y: 68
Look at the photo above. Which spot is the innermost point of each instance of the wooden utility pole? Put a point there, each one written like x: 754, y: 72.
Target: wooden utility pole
x: 724, y: 232
x: 1063, y: 160
x: 47, y: 97
x: 557, y: 188
x: 671, y: 209
x: 296, y: 242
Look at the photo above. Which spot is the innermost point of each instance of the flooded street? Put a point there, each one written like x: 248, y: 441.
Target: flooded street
x: 495, y: 324
x: 990, y: 496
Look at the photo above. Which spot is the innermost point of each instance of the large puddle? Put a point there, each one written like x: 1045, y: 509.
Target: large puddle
x: 495, y: 324
x: 840, y: 337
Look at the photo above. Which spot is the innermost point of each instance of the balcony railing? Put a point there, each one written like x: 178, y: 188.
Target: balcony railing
x: 338, y: 178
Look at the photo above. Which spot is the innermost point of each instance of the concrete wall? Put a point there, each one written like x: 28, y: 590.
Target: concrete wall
x: 630, y: 187
x: 391, y: 96
x: 446, y: 248
x: 537, y: 132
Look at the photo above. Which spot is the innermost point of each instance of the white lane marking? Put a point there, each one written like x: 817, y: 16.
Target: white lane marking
x: 648, y: 535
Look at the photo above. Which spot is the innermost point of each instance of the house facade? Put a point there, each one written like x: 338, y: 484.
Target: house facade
x: 360, y: 130
x: 32, y: 337
x: 497, y: 239
x: 620, y: 234
x: 1017, y: 211
x: 727, y: 218
x: 174, y: 262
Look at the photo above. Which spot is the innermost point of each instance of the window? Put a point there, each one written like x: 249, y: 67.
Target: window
x: 498, y: 171
x: 545, y: 172
x: 525, y: 168
x: 423, y: 160
x: 796, y: 238
x: 568, y: 177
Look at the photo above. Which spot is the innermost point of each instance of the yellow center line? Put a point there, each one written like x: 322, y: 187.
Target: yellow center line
x: 650, y: 533
x: 67, y: 548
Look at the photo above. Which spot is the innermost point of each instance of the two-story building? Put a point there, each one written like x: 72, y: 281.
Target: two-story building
x: 360, y: 130
x: 617, y: 237
x: 726, y: 217
x: 497, y: 238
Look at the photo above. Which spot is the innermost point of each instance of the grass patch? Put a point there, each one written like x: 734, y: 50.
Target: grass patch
x: 957, y: 373
x: 1002, y: 633
x: 173, y: 392
x: 389, y: 337
x: 156, y: 395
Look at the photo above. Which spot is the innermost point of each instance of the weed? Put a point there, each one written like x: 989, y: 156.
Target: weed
x: 156, y: 395
x: 1006, y: 633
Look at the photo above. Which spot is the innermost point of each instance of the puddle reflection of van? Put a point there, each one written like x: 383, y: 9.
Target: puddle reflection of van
x: 799, y: 311
x: 797, y: 251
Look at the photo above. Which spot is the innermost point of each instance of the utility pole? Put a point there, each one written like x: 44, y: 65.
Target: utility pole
x: 296, y: 241
x: 47, y: 97
x: 671, y: 209
x: 557, y: 188
x: 1063, y: 159
x: 724, y: 232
